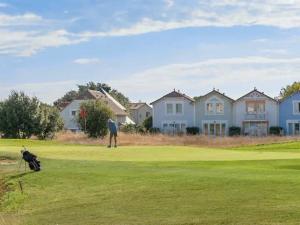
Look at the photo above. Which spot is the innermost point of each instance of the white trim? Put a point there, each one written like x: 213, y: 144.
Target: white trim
x: 174, y: 108
x: 294, y: 110
x: 215, y: 122
x: 292, y: 122
x: 214, y: 105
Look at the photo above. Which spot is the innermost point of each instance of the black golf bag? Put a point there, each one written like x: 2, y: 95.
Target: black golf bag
x: 32, y: 161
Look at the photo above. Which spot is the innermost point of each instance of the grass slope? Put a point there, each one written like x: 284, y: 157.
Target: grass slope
x: 154, y: 185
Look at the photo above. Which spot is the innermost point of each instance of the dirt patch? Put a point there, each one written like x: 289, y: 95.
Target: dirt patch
x: 6, y: 160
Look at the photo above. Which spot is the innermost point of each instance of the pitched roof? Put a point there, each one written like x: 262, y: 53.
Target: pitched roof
x: 112, y: 103
x: 138, y: 105
x: 174, y: 94
x: 218, y: 93
x: 261, y: 93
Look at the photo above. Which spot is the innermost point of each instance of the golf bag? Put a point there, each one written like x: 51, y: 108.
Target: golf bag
x: 32, y: 161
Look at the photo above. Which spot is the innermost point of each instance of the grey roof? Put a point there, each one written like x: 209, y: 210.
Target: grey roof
x: 134, y: 106
x: 262, y: 93
x: 218, y: 93
x: 102, y: 95
x: 174, y: 94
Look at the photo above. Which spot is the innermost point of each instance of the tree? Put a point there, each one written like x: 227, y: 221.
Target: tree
x: 148, y: 123
x: 290, y: 89
x: 94, y: 119
x: 18, y: 116
x: 48, y: 122
x: 68, y: 97
x: 22, y: 116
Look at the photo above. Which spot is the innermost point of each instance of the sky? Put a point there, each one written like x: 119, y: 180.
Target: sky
x: 146, y: 48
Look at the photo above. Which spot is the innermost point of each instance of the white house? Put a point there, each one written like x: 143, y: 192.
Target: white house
x: 70, y: 112
x: 139, y: 112
x: 255, y: 113
x: 173, y: 112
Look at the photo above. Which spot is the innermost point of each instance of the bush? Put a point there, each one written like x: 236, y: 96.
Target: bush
x: 234, y: 131
x: 192, y: 130
x: 49, y: 122
x: 131, y: 128
x: 93, y: 118
x: 128, y: 128
x: 148, y: 123
x: 154, y: 130
x: 275, y: 130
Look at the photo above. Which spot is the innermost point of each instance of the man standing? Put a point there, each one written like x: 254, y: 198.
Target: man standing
x: 113, y: 131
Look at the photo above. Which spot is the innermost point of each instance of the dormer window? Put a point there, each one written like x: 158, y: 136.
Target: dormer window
x: 210, y: 107
x: 174, y: 108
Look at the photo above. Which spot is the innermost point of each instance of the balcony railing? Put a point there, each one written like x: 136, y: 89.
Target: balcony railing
x: 256, y: 116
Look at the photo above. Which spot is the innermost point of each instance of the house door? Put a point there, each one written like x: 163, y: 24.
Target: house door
x: 215, y: 129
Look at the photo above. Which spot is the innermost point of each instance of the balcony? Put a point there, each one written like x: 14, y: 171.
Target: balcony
x: 255, y: 116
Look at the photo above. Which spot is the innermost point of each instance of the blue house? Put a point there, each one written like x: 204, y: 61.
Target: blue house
x: 289, y: 118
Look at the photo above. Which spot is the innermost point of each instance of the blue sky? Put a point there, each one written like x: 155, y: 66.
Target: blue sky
x: 145, y: 48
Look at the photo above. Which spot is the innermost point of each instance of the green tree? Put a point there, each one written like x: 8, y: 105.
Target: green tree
x: 68, y: 97
x: 22, y: 116
x: 18, y: 116
x: 148, y: 123
x: 48, y: 122
x: 290, y: 89
x: 93, y: 118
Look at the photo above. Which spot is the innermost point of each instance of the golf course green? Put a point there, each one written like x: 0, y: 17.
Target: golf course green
x: 163, y: 185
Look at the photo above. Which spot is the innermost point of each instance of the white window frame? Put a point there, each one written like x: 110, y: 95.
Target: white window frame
x: 72, y: 110
x: 174, y: 108
x: 214, y: 105
x: 169, y: 122
x: 215, y: 122
x: 294, y: 110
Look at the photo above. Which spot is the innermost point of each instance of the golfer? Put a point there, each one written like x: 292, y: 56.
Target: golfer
x: 113, y: 131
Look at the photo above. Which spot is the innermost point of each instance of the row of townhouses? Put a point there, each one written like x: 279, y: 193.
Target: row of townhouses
x: 214, y: 113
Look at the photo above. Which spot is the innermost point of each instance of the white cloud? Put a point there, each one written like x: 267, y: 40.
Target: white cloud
x: 85, y: 61
x: 26, y: 34
x: 228, y: 74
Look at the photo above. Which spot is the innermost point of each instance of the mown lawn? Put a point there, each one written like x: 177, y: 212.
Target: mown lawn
x: 92, y: 185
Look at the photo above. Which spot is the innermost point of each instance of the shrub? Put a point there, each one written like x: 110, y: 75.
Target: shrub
x: 275, y: 130
x: 93, y: 118
x: 148, y: 123
x: 131, y: 128
x: 154, y: 130
x: 49, y: 122
x: 234, y: 131
x: 192, y: 130
x: 128, y: 128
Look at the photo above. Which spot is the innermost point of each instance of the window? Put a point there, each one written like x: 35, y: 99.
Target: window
x: 73, y: 113
x: 169, y: 108
x: 220, y: 108
x: 250, y: 107
x: 147, y: 114
x: 209, y: 108
x: 255, y: 107
x: 178, y: 108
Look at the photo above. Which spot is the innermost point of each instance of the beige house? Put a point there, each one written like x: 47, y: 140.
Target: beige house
x: 71, y: 111
x: 139, y: 112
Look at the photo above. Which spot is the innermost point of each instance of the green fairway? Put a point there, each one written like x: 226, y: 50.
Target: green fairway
x: 170, y: 185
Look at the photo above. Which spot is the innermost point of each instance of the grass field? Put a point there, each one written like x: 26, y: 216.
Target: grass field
x: 168, y: 185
